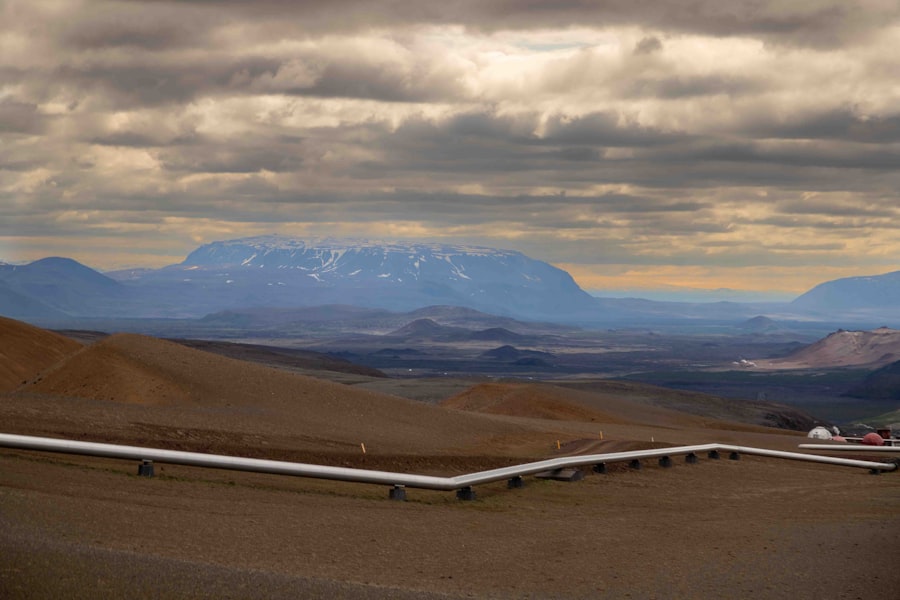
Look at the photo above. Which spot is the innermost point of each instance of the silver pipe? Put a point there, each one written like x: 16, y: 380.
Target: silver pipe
x: 593, y: 459
x: 218, y: 461
x: 576, y: 461
x: 847, y: 462
x: 850, y: 447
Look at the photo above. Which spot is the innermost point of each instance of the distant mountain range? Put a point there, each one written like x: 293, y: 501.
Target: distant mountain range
x: 55, y: 288
x: 282, y: 273
x: 285, y: 272
x: 860, y: 295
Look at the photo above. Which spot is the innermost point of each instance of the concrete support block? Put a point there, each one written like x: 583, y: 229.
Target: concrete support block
x: 691, y: 459
x: 145, y: 469
x: 600, y: 468
x: 665, y: 462
x: 713, y: 455
x: 635, y: 464
x: 398, y: 492
x: 515, y: 483
x: 466, y: 493
x: 561, y: 475
x: 734, y: 456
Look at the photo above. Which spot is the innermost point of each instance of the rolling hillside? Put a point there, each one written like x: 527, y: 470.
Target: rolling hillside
x: 873, y: 349
x: 26, y: 351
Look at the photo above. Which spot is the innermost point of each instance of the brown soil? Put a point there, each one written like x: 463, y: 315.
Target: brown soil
x: 286, y: 358
x: 524, y: 400
x: 79, y: 527
x: 144, y: 382
x: 25, y: 351
x: 615, y: 403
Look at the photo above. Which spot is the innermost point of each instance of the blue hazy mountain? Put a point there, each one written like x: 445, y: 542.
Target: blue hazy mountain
x: 56, y: 287
x: 284, y: 272
x: 877, y: 294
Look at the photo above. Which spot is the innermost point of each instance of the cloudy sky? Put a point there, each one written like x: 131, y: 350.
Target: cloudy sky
x: 748, y: 144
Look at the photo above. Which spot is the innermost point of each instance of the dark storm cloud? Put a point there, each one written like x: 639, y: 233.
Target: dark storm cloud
x: 823, y: 23
x: 823, y: 224
x: 128, y: 138
x: 606, y: 129
x: 484, y: 142
x: 605, y: 203
x: 829, y: 208
x: 687, y: 87
x: 648, y: 45
x: 839, y: 124
x: 540, y: 212
x: 20, y: 117
x: 570, y: 151
x: 120, y: 26
x: 361, y: 79
x: 145, y: 82
x: 642, y: 131
x: 233, y: 158
x: 841, y: 156
x: 471, y: 142
x: 578, y: 153
x: 17, y: 163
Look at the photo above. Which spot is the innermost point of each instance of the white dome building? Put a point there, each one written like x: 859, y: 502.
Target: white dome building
x: 819, y: 433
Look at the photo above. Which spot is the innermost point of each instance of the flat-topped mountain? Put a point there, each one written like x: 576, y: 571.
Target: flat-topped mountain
x: 283, y: 271
x: 871, y: 293
x: 284, y: 274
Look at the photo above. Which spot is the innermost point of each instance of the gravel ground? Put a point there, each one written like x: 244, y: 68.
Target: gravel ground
x: 77, y: 527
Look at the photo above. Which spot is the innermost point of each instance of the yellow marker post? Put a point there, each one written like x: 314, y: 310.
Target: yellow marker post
x: 363, y: 446
x: 557, y: 445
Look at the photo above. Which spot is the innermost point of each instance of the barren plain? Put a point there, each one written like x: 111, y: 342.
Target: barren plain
x: 79, y: 527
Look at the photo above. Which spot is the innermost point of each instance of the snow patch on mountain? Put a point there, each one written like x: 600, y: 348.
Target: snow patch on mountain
x: 395, y: 274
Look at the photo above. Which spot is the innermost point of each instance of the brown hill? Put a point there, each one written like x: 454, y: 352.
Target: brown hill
x: 287, y: 358
x: 129, y: 382
x: 714, y: 410
x: 139, y: 390
x: 874, y: 349
x: 527, y: 400
x: 25, y: 351
x: 552, y: 402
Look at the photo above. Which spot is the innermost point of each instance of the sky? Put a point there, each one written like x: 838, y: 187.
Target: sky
x: 752, y: 145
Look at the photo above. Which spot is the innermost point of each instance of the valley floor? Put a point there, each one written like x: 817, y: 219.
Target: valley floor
x: 90, y: 528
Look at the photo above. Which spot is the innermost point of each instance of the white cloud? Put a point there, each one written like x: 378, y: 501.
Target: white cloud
x: 720, y: 137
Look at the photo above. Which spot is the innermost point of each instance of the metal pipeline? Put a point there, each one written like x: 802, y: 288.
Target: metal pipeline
x: 850, y: 448
x: 256, y: 465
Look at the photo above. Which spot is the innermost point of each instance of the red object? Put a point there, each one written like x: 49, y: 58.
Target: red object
x: 873, y: 439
